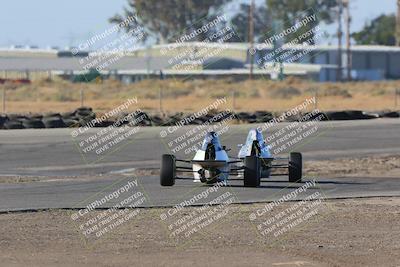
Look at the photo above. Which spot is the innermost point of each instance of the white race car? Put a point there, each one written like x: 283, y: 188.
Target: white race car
x: 212, y: 164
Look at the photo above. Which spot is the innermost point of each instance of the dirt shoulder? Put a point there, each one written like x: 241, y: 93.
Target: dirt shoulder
x: 372, y: 166
x: 362, y: 232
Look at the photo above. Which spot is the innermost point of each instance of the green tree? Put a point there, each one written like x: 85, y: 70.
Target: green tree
x: 166, y: 20
x: 290, y: 12
x: 380, y: 31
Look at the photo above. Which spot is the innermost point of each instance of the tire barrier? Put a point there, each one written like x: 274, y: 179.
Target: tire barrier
x: 54, y: 122
x: 389, y: 114
x: 3, y: 119
x: 82, y: 116
x: 348, y: 115
x: 13, y: 124
x: 33, y: 124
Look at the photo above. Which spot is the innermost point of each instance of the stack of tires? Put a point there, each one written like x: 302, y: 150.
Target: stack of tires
x: 263, y: 116
x: 157, y: 120
x: 348, y: 115
x: 3, y: 119
x: 14, y: 121
x: 53, y: 120
x: 246, y: 117
x: 79, y: 117
x: 143, y: 119
x: 69, y: 119
x: 84, y: 115
x: 388, y: 114
x: 33, y: 122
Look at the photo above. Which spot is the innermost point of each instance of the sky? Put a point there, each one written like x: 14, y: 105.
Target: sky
x: 59, y: 23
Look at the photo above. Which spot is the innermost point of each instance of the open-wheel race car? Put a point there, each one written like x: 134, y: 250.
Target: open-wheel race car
x: 212, y: 164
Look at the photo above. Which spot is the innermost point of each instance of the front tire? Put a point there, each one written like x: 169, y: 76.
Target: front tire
x: 295, y: 167
x: 252, y: 171
x: 168, y: 167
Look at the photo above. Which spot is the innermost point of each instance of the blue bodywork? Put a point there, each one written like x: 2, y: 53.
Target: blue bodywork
x: 211, y: 138
x: 254, y: 135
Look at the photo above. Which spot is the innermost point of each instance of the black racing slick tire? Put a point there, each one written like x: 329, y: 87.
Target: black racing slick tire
x: 295, y: 167
x: 168, y: 167
x: 252, y: 171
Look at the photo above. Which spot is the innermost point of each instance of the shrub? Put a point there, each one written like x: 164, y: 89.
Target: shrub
x: 286, y: 92
x: 336, y: 91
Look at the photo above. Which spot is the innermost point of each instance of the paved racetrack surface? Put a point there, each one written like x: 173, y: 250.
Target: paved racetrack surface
x: 55, y: 153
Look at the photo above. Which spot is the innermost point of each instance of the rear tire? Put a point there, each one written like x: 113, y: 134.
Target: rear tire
x: 252, y: 171
x: 295, y: 167
x: 167, y: 175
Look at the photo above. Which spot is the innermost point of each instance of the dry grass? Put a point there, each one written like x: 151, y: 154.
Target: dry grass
x: 193, y: 95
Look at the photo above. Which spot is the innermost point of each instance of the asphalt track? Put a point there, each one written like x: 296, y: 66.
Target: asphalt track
x: 54, y: 153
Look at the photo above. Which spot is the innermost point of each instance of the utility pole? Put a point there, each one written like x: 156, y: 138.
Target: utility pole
x: 398, y: 24
x: 4, y: 99
x: 81, y: 96
x: 348, y: 44
x: 148, y: 59
x: 316, y: 98
x: 339, y: 51
x: 233, y: 99
x: 160, y: 97
x: 251, y: 37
